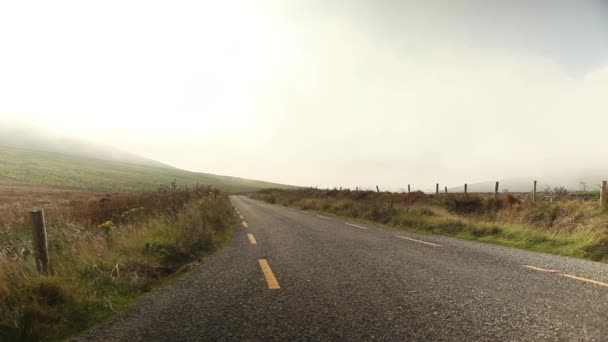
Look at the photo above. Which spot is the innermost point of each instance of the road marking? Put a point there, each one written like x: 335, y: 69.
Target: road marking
x: 323, y: 217
x: 559, y: 273
x: 241, y: 216
x: 354, y: 225
x: 424, y: 242
x: 271, y: 280
x: 252, y: 239
x: 245, y: 224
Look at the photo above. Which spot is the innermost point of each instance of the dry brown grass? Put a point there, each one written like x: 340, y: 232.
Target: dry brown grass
x: 105, y: 248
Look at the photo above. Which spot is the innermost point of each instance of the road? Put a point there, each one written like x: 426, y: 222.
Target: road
x: 298, y: 276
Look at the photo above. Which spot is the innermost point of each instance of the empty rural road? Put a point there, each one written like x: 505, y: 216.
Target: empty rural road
x: 297, y: 276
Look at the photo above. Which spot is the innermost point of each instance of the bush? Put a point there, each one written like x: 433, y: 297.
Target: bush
x: 462, y: 204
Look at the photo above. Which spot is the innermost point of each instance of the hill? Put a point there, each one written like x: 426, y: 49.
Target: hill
x: 569, y: 180
x: 37, y: 139
x: 57, y: 169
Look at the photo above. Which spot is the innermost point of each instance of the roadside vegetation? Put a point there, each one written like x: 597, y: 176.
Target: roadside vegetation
x: 105, y: 251
x: 566, y: 226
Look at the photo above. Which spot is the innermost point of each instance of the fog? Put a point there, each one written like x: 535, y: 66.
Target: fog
x: 327, y: 93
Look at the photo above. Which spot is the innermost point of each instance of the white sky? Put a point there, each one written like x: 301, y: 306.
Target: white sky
x: 330, y: 93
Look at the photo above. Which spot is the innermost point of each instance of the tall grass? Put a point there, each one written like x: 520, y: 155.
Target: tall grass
x: 104, y: 253
x: 572, y: 227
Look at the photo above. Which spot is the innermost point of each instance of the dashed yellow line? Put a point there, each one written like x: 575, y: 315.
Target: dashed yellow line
x: 559, y: 273
x: 419, y: 241
x: 271, y: 280
x: 251, y: 239
x: 245, y: 225
x: 241, y: 216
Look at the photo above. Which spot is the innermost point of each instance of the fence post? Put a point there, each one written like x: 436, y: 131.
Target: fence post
x: 446, y: 189
x: 534, y: 192
x: 465, y: 188
x: 41, y: 252
x: 377, y: 189
x: 408, y: 189
x: 496, y: 190
x: 604, y: 195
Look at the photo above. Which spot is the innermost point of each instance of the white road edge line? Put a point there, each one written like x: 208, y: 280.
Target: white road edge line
x: 354, y: 225
x: 323, y: 217
x: 424, y: 242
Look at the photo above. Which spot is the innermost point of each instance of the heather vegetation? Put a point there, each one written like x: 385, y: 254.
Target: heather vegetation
x: 573, y: 227
x: 105, y: 251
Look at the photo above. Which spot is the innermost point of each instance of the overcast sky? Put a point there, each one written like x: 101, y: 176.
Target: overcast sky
x: 329, y: 93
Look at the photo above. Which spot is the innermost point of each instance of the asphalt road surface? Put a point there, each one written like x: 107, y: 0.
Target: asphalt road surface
x: 297, y: 276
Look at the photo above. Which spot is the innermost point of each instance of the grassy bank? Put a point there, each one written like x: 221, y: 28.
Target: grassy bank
x: 568, y: 227
x: 64, y: 170
x: 105, y: 252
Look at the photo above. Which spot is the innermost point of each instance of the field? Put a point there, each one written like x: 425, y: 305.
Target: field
x: 94, y: 174
x: 566, y: 226
x: 106, y: 249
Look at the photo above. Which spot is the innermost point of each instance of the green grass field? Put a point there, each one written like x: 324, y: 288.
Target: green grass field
x: 71, y: 171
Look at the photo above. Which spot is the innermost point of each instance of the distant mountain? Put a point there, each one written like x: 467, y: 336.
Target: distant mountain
x: 33, y: 156
x: 50, y: 168
x: 27, y: 138
x: 571, y: 180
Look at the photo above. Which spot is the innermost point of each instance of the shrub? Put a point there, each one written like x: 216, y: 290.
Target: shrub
x: 462, y: 204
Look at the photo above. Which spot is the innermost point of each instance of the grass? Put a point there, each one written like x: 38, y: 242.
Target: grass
x: 87, y: 173
x: 104, y: 255
x: 570, y: 227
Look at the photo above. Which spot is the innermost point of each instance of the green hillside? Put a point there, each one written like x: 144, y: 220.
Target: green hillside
x: 80, y: 172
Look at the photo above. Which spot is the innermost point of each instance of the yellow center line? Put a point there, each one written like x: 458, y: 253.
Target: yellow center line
x: 559, y: 273
x: 271, y: 280
x: 424, y: 242
x: 245, y: 224
x: 252, y: 239
x: 241, y: 216
x: 323, y: 217
x: 354, y: 225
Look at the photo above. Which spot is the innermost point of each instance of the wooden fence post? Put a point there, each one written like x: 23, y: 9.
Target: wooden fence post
x: 41, y: 252
x: 604, y: 195
x: 465, y: 188
x: 496, y: 190
x: 534, y: 192
x: 446, y: 189
x: 408, y: 189
x: 437, y: 189
x: 377, y: 189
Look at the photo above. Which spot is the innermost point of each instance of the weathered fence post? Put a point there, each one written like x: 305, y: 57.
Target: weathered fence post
x: 437, y: 189
x: 446, y: 189
x: 408, y: 189
x: 534, y: 192
x: 377, y: 189
x: 604, y: 195
x: 496, y: 190
x: 41, y: 252
x: 465, y: 188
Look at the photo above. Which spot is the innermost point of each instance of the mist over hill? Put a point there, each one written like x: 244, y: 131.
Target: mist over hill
x: 38, y: 139
x: 572, y: 180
